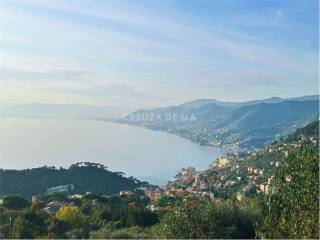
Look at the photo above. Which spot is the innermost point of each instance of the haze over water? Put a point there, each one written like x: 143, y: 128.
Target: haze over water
x: 149, y: 155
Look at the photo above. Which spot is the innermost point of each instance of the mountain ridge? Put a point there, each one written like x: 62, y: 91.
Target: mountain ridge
x: 229, y: 123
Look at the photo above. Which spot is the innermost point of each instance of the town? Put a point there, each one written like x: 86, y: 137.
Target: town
x: 235, y: 175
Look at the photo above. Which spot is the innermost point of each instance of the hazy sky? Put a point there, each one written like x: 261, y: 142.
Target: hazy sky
x: 151, y: 53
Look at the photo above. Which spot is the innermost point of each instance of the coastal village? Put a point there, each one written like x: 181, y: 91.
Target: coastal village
x: 234, y: 175
x: 235, y: 181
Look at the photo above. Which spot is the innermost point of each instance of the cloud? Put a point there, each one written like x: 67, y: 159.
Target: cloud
x: 143, y: 50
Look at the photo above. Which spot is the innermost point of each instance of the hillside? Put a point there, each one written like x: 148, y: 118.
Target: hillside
x: 253, y: 124
x: 245, y: 171
x: 92, y: 178
x: 271, y: 114
x: 259, y: 124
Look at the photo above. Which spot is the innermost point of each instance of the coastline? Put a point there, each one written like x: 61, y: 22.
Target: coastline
x: 231, y: 149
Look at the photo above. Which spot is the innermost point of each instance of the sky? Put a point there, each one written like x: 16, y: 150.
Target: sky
x: 136, y: 54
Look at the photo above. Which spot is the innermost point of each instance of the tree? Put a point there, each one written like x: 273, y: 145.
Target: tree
x: 71, y: 215
x: 15, y: 202
x: 56, y: 228
x: 292, y: 211
x: 166, y: 201
x: 108, y: 232
x: 128, y: 216
x: 55, y: 197
x: 21, y: 228
x: 197, y: 217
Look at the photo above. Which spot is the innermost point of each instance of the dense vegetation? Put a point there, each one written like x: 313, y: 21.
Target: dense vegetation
x: 127, y: 217
x: 293, y: 209
x: 266, y: 160
x: 88, y: 177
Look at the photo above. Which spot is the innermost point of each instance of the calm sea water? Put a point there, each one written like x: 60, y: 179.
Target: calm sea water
x: 149, y: 155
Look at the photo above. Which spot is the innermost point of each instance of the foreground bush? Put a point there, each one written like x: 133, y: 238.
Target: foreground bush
x: 200, y: 218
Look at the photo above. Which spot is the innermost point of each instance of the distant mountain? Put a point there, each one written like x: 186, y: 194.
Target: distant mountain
x: 257, y: 125
x: 198, y: 103
x: 60, y: 110
x: 203, y: 102
x: 246, y: 124
x: 305, y: 98
x: 92, y: 178
x: 272, y: 114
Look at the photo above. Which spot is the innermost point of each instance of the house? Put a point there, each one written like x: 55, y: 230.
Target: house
x: 76, y: 196
x: 153, y: 208
x: 59, y: 189
x: 94, y: 203
x: 248, y: 188
x: 175, y: 192
x: 208, y: 194
x: 204, y: 186
x: 54, y: 206
x: 36, y: 199
x: 250, y: 169
x: 223, y: 161
x: 217, y: 185
x: 125, y: 193
x: 155, y: 196
x: 187, y: 171
x: 239, y: 196
x: 264, y: 188
x: 288, y: 178
x: 187, y: 180
x: 230, y: 183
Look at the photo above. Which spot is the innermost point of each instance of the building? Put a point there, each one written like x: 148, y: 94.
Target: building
x: 76, y: 196
x: 221, y: 162
x: 59, y: 189
x: 250, y: 169
x: 239, y: 196
x: 153, y: 208
x: 155, y: 196
x: 36, y: 199
x: 125, y: 193
x: 187, y: 180
x: 230, y: 183
x: 54, y: 206
x: 189, y: 171
x: 264, y: 188
x: 204, y: 186
x: 208, y: 194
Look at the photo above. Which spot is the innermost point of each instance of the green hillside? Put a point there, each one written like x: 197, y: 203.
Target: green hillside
x: 94, y: 178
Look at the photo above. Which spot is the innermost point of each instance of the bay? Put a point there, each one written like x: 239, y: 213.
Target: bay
x: 148, y: 155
